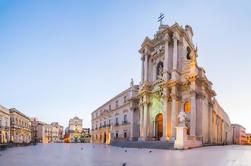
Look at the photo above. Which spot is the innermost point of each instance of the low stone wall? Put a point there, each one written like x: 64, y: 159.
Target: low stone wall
x: 143, y: 144
x: 193, y: 143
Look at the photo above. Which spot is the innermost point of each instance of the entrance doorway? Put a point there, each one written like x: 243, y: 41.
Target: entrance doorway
x: 104, y: 138
x: 75, y: 138
x: 159, y: 126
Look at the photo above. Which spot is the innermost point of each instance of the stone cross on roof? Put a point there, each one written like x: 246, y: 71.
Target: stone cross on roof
x: 160, y: 18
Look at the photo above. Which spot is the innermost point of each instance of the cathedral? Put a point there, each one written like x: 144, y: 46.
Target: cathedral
x: 172, y: 84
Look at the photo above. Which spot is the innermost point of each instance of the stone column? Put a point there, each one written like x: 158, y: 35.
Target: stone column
x: 142, y: 69
x: 193, y: 111
x: 165, y: 105
x: 132, y: 124
x: 146, y: 68
x: 165, y: 70
x: 173, y: 113
x: 165, y: 90
x: 154, y: 73
x: 175, y: 50
x: 210, y: 114
x: 146, y: 122
x: 141, y: 124
x: 154, y: 128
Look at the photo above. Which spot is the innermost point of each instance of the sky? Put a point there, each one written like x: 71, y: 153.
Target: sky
x: 60, y: 59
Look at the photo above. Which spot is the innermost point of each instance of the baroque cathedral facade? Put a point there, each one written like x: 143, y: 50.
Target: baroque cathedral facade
x: 171, y: 82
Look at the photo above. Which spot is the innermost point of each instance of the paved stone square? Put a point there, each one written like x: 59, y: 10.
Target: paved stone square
x: 104, y: 155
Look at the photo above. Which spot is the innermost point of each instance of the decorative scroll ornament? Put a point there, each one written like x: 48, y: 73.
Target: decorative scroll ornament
x: 158, y: 49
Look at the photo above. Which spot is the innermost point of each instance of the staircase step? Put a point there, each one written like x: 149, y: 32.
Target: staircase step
x: 143, y: 144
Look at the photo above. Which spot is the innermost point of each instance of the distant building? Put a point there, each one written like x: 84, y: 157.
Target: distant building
x: 239, y: 134
x: 46, y: 133
x: 248, y: 139
x: 85, y: 135
x: 57, y: 132
x: 4, y: 125
x: 20, y: 127
x: 74, y: 129
x: 34, y: 130
x: 41, y: 137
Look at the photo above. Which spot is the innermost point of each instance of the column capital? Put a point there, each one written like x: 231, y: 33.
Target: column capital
x: 176, y: 36
x: 174, y: 96
x: 166, y: 95
x: 142, y: 57
x: 201, y: 95
x: 146, y: 51
x: 193, y: 92
x: 166, y: 38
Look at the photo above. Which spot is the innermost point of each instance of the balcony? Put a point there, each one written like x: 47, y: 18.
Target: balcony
x: 116, y: 124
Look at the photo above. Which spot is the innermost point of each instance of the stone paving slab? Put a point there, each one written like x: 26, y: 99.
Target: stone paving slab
x: 105, y: 155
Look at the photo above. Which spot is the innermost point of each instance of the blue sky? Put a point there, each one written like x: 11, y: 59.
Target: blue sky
x: 60, y: 59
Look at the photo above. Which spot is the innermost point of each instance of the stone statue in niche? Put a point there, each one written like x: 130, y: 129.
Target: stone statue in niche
x: 188, y: 53
x: 160, y: 70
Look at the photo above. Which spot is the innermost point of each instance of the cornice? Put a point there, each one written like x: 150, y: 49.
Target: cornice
x: 172, y: 83
x: 116, y: 97
x: 146, y: 86
x: 147, y: 43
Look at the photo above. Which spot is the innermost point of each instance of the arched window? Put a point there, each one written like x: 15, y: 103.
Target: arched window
x: 188, y: 53
x: 159, y: 69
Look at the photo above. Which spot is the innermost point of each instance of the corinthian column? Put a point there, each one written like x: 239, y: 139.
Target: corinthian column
x: 141, y: 122
x: 175, y: 50
x: 165, y: 74
x: 173, y: 113
x: 193, y: 110
x: 146, y: 121
x: 142, y: 69
x: 146, y: 67
x: 165, y: 104
x: 132, y: 124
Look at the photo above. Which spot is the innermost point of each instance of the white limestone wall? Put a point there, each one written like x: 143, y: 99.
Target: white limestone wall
x: 120, y: 108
